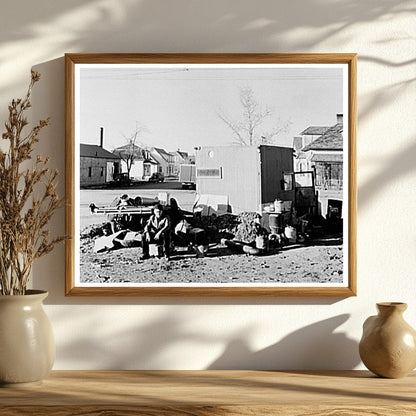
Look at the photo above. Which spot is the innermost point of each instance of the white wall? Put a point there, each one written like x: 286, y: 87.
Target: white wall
x: 200, y: 333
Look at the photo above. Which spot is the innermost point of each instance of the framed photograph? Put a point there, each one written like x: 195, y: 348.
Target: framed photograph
x: 211, y: 174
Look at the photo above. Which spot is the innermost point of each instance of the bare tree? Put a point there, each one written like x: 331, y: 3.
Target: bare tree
x: 247, y: 130
x: 133, y: 150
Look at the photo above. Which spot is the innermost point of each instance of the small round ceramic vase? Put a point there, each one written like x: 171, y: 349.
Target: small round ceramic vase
x: 388, y: 345
x: 27, y: 347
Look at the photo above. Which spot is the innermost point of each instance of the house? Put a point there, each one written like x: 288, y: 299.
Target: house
x: 325, y: 155
x: 150, y: 166
x: 97, y: 165
x: 142, y: 165
x: 306, y: 137
x: 165, y: 160
x: 181, y: 158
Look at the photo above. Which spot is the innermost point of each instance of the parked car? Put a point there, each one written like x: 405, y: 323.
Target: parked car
x: 122, y: 179
x: 157, y: 177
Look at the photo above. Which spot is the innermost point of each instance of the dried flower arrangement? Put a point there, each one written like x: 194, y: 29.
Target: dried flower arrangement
x: 28, y: 199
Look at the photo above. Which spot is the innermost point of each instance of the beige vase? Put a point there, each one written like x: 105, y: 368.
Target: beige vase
x: 27, y: 347
x: 388, y: 345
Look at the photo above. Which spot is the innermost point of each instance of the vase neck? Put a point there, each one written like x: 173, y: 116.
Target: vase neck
x: 390, y: 308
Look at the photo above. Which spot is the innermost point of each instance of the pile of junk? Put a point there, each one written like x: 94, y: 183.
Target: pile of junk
x: 198, y: 232
x: 127, y: 218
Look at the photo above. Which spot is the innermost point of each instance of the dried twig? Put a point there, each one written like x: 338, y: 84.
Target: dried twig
x: 24, y: 216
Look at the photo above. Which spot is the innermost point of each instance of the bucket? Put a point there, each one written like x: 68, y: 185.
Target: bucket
x: 274, y: 223
x: 278, y: 206
x: 261, y: 242
x: 199, y: 251
x: 155, y: 250
x: 273, y: 220
x: 290, y: 234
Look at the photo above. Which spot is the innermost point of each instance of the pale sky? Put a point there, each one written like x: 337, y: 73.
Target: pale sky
x: 179, y: 105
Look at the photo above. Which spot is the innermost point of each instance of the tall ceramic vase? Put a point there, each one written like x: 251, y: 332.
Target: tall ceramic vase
x: 27, y: 347
x: 388, y: 345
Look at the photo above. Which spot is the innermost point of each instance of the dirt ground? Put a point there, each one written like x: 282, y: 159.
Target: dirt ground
x: 291, y: 264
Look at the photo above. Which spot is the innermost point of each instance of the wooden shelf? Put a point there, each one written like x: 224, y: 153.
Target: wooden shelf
x: 203, y: 393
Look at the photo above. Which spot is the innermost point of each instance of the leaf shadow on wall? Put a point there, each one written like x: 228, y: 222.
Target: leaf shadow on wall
x: 316, y: 346
x: 397, y: 166
x: 151, y: 345
x: 49, y: 100
x: 242, y: 26
x: 132, y: 26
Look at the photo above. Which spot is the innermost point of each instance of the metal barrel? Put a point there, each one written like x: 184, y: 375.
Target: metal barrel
x: 145, y: 201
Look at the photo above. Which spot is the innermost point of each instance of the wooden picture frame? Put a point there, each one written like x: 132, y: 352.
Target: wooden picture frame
x: 95, y: 84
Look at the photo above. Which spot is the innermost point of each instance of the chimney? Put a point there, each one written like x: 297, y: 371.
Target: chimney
x: 339, y: 118
x: 101, y: 137
x: 297, y: 142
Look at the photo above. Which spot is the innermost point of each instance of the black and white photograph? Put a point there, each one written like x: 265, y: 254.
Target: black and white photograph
x: 211, y: 175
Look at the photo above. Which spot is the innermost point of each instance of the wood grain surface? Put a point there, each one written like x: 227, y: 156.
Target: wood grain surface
x: 201, y: 393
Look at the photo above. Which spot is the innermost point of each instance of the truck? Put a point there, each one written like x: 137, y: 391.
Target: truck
x: 187, y: 176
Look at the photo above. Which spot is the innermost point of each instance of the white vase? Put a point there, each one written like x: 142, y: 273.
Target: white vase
x: 27, y: 347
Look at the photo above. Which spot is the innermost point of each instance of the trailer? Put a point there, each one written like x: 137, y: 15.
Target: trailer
x: 243, y: 178
x: 187, y: 176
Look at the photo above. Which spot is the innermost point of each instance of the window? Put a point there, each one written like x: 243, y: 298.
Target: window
x: 90, y: 172
x: 329, y: 175
x: 102, y: 171
x: 304, y: 179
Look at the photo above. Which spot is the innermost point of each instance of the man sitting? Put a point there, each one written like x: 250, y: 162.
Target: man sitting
x: 121, y: 221
x: 156, y: 231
